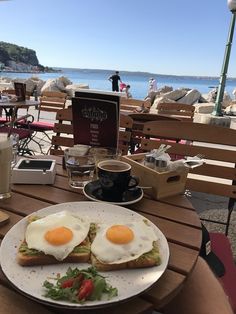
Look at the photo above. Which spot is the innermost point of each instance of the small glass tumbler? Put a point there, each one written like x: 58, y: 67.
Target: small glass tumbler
x: 80, y: 168
x: 104, y: 153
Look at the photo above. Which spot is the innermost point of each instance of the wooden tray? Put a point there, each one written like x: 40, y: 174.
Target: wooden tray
x: 162, y: 184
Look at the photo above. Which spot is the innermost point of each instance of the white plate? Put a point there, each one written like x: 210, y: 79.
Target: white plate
x: 29, y: 280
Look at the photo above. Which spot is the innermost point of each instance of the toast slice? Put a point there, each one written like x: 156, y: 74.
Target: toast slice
x: 148, y: 259
x: 32, y: 257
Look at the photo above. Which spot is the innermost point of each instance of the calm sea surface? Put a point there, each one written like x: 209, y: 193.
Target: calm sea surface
x: 98, y: 79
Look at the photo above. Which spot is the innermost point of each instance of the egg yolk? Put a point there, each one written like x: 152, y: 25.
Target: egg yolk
x: 59, y: 236
x: 119, y: 234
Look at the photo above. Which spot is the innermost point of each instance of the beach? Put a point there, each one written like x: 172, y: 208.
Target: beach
x: 98, y: 79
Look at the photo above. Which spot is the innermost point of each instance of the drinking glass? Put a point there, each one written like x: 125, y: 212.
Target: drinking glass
x: 80, y: 167
x: 104, y: 153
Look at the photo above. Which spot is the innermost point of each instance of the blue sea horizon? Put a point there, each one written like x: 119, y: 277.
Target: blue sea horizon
x: 98, y: 79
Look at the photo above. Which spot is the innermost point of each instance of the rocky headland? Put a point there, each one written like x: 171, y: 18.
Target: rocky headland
x: 14, y: 58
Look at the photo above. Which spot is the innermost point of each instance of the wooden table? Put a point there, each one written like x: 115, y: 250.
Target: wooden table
x: 174, y: 216
x: 9, y: 107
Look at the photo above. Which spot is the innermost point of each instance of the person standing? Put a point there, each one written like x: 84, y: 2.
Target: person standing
x: 152, y: 85
x: 234, y: 93
x: 115, y: 78
x: 127, y: 91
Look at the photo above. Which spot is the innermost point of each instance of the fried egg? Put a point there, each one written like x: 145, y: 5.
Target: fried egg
x: 122, y: 242
x: 57, y: 234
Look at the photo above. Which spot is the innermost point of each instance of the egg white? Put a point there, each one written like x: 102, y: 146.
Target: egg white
x: 36, y: 230
x: 111, y: 253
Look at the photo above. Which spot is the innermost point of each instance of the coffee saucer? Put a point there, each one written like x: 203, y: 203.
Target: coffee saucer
x: 93, y: 191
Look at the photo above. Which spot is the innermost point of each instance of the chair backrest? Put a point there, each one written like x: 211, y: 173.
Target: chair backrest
x: 217, y: 144
x: 13, y: 93
x: 52, y: 102
x: 126, y: 125
x: 139, y: 119
x: 132, y: 103
x: 9, y: 92
x: 182, y: 111
x: 64, y: 132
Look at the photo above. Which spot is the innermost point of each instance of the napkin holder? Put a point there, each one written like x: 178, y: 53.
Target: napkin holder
x: 34, y: 171
x: 157, y: 184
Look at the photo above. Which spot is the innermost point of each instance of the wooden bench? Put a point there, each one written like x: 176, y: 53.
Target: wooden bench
x: 182, y: 111
x: 138, y: 122
x: 132, y: 104
x: 218, y: 145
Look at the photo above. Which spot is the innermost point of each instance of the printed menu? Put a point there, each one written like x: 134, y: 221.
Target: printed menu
x: 96, y: 119
x: 20, y: 89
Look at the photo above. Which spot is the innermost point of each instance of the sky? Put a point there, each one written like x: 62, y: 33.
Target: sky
x: 181, y: 37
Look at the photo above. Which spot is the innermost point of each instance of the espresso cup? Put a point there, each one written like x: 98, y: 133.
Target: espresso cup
x: 115, y: 178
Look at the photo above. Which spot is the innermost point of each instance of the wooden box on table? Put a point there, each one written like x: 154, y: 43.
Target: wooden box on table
x: 162, y: 184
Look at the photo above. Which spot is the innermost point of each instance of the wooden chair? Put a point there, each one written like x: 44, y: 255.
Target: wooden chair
x: 25, y: 134
x: 132, y: 104
x: 64, y: 132
x: 126, y: 125
x: 9, y: 92
x: 51, y: 102
x: 181, y: 111
x: 13, y: 92
x: 218, y: 145
x: 138, y: 122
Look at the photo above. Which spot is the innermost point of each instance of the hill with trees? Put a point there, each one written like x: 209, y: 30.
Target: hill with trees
x: 19, y: 59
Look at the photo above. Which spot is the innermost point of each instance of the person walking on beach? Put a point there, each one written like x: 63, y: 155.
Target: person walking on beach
x: 152, y: 85
x: 115, y: 78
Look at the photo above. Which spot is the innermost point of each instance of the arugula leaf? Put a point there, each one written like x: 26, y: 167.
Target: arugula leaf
x: 111, y: 292
x: 99, y: 287
x: 70, y: 293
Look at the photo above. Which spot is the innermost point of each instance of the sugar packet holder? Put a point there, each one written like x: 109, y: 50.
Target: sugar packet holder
x: 160, y: 161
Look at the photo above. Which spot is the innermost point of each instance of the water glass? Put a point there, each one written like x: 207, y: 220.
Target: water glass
x: 5, y: 165
x: 80, y: 167
x: 104, y: 153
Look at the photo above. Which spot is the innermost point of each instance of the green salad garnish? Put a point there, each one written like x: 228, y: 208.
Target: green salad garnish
x: 78, y: 286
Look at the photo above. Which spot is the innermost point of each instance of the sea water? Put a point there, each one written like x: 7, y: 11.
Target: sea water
x: 98, y: 79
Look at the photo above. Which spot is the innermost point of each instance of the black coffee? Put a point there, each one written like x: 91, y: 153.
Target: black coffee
x: 114, y: 167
